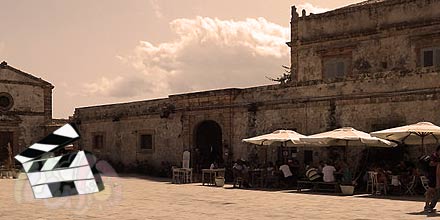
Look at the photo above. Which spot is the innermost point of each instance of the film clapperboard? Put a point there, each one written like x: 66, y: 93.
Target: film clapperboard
x: 69, y: 174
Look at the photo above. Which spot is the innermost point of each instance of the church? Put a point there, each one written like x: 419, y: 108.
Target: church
x: 25, y: 110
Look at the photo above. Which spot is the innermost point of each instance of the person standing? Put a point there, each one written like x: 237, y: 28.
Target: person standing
x: 432, y: 195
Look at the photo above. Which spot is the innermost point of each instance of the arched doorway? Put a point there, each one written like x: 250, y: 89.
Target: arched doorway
x: 208, y: 139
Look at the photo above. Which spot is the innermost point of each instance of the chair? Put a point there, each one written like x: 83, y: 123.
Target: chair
x: 238, y: 178
x: 176, y: 175
x: 187, y: 172
x: 411, y: 185
x: 185, y: 159
x: 238, y: 181
x: 376, y: 187
x: 425, y: 182
x: 184, y: 174
x: 370, y: 181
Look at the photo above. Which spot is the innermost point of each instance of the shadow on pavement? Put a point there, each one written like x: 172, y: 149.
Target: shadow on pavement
x: 401, y: 198
x: 137, y: 176
x: 434, y: 214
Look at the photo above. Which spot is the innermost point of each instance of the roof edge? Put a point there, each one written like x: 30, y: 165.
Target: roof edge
x: 5, y: 65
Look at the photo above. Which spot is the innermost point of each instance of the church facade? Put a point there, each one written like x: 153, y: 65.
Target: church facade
x: 25, y: 110
x: 370, y: 66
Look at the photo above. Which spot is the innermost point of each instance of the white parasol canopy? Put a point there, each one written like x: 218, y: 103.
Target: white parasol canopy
x: 285, y: 137
x: 414, y: 134
x: 346, y: 136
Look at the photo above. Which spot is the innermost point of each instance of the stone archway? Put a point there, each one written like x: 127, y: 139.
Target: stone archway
x: 208, y: 142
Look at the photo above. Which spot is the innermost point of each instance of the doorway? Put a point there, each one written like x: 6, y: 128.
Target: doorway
x: 5, y: 138
x: 208, y: 137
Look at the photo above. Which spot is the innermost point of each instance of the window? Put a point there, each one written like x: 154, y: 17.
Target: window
x: 430, y: 57
x: 146, y: 142
x: 98, y: 141
x: 6, y: 101
x: 336, y: 68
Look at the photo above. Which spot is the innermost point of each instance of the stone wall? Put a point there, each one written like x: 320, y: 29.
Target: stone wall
x: 368, y: 104
x: 376, y: 37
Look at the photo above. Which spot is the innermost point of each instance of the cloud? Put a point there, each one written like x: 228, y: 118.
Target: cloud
x: 127, y: 86
x: 156, y: 8
x: 312, y: 9
x: 208, y: 53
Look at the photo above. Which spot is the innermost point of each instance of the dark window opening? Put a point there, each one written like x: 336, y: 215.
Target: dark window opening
x: 146, y: 142
x: 336, y: 68
x: 98, y: 141
x: 430, y: 57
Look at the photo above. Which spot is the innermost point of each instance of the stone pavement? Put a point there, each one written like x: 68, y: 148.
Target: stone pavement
x: 144, y: 198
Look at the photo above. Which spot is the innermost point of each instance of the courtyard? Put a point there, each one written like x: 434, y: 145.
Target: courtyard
x: 138, y: 197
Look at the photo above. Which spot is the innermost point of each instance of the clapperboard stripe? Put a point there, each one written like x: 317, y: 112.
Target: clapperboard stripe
x: 91, y: 159
x: 59, y: 138
x: 71, y: 160
x: 69, y: 174
x: 67, y: 188
x: 77, y: 166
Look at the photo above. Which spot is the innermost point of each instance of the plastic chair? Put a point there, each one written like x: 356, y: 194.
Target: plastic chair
x: 410, y: 187
x: 372, y: 181
x: 425, y: 182
x: 376, y: 187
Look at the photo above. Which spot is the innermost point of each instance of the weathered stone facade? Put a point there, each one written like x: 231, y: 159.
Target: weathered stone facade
x: 384, y: 84
x: 25, y: 109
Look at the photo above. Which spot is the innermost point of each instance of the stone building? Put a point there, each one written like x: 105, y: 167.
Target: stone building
x: 25, y: 110
x: 371, y: 66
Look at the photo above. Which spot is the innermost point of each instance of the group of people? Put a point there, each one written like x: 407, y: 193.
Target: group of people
x: 327, y: 172
x: 275, y: 173
x: 286, y: 174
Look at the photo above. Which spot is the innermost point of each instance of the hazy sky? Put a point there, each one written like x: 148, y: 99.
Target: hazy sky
x: 105, y: 51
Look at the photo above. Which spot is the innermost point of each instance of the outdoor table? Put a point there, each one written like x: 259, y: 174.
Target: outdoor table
x: 212, y: 174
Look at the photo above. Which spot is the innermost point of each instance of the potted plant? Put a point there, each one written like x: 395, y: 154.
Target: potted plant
x: 347, y: 188
x: 220, y: 181
x: 347, y: 184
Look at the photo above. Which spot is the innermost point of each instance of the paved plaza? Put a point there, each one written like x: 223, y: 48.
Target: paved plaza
x: 147, y: 198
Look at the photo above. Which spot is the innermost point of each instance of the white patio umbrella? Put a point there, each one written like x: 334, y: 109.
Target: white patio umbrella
x: 346, y: 136
x: 285, y: 138
x: 414, y: 134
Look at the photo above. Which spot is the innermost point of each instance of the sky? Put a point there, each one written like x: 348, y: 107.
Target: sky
x: 110, y: 51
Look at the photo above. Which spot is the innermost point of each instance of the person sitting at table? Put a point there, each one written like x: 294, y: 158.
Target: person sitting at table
x: 382, y: 175
x: 237, y: 171
x: 214, y: 165
x: 401, y: 168
x: 320, y: 166
x: 271, y: 178
x: 270, y: 168
x: 345, y: 172
x: 312, y: 174
x: 286, y: 174
x: 328, y: 172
